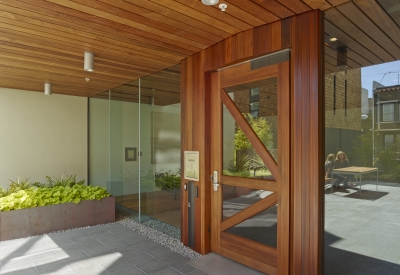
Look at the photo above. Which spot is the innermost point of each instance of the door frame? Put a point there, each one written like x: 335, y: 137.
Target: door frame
x: 263, y: 258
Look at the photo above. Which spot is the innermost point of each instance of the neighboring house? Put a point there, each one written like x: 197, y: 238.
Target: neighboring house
x: 386, y: 114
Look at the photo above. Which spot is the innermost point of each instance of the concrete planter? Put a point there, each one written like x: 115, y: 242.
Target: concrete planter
x: 45, y: 219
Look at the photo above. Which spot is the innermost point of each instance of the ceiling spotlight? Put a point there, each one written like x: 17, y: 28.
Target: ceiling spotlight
x: 89, y: 60
x: 333, y: 39
x: 47, y: 88
x: 87, y: 79
x: 209, y: 2
x: 223, y: 7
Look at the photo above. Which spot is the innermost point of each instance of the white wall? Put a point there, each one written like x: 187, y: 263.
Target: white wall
x: 114, y: 125
x: 42, y: 136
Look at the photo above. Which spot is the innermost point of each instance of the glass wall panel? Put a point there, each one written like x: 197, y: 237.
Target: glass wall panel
x: 135, y: 145
x: 362, y: 195
x: 99, y: 140
x: 160, y: 145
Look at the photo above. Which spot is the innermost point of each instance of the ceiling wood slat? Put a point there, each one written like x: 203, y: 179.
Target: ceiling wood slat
x: 380, y: 18
x: 236, y: 12
x: 353, y: 44
x: 64, y: 47
x: 337, y: 2
x: 355, y: 15
x: 216, y: 13
x: 295, y: 6
x: 27, y: 25
x: 255, y: 10
x: 318, y: 4
x: 89, y: 22
x: 275, y: 7
x: 333, y: 53
x: 44, y: 40
x: 392, y: 7
x: 123, y: 17
x: 196, y: 34
x: 214, y: 32
x: 334, y: 16
x: 178, y: 7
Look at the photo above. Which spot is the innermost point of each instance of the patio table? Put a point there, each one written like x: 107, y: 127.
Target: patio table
x: 357, y: 171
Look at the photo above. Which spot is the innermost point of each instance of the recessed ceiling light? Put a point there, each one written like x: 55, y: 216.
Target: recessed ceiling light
x: 209, y: 2
x: 333, y: 39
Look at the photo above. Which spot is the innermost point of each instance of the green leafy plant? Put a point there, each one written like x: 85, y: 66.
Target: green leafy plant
x: 168, y: 180
x: 260, y: 126
x: 19, y: 184
x: 41, y: 196
x: 3, y: 192
x: 68, y: 180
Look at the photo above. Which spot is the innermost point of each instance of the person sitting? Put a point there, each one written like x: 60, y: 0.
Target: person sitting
x: 342, y: 161
x: 329, y: 162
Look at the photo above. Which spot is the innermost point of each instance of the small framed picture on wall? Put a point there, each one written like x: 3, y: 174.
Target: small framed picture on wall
x: 130, y: 153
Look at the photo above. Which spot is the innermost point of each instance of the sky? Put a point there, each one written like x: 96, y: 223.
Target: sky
x: 387, y: 74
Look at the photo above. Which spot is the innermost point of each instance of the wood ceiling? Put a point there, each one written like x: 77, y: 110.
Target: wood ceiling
x: 44, y: 41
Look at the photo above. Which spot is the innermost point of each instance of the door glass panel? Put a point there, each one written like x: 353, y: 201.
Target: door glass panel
x: 257, y: 101
x: 260, y: 227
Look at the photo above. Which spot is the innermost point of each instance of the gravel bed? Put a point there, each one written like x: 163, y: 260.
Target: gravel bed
x: 161, y: 238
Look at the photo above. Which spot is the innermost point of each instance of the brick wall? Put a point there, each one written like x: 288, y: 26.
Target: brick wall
x: 349, y: 118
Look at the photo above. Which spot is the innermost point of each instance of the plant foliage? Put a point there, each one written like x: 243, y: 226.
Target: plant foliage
x: 168, y: 180
x: 23, y: 194
x: 41, y: 196
x: 260, y: 126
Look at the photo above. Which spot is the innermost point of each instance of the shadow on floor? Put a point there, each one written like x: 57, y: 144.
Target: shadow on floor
x: 341, y: 262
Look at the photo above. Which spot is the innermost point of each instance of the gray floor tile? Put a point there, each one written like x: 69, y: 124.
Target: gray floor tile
x: 105, y: 249
x: 183, y: 267
x: 137, y: 247
x: 136, y: 238
x: 120, y: 264
x: 132, y: 270
x: 92, y: 270
x: 21, y: 271
x: 158, y: 251
x: 161, y: 263
x: 105, y: 261
x: 167, y: 271
x: 393, y: 272
x: 56, y: 270
x: 197, y: 272
x: 41, y: 257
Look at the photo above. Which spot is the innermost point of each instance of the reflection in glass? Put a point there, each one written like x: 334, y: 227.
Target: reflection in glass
x: 257, y: 101
x: 142, y: 116
x: 261, y: 227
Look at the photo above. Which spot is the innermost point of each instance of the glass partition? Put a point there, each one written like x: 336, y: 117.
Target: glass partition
x: 362, y: 145
x: 135, y: 145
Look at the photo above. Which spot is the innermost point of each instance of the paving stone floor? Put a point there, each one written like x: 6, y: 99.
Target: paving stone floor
x: 105, y: 249
x: 362, y: 230
x: 362, y: 236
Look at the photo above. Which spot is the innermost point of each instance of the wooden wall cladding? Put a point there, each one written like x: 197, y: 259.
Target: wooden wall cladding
x: 303, y: 34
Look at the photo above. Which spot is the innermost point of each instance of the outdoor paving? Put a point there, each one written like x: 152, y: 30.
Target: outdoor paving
x: 362, y: 230
x: 362, y: 236
x: 105, y: 249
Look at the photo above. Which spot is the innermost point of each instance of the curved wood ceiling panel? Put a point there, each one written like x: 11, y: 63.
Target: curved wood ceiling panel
x: 44, y: 40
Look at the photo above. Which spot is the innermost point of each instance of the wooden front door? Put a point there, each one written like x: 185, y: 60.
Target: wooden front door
x: 250, y: 152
